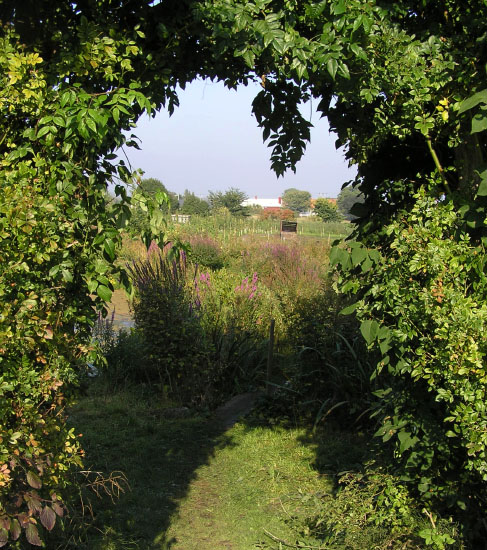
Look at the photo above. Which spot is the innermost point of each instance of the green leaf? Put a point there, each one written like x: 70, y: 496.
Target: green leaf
x: 268, y: 38
x: 356, y: 24
x: 343, y: 70
x: 339, y: 7
x: 109, y: 247
x: 301, y: 70
x: 406, y: 441
x: 369, y: 330
x: 92, y: 286
x: 101, y: 266
x: 249, y: 58
x: 482, y: 190
x: 104, y: 293
x: 479, y: 123
x: 332, y: 67
x: 358, y: 255
x: 43, y: 131
x: 349, y: 309
x: 424, y: 125
x: 54, y: 271
x: 91, y: 124
x: 473, y: 101
x: 67, y: 275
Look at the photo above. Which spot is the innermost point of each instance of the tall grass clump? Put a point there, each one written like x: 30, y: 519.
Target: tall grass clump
x: 124, y: 352
x: 164, y: 313
x: 334, y: 367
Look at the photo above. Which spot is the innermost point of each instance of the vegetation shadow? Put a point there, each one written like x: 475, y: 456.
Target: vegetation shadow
x: 133, y: 433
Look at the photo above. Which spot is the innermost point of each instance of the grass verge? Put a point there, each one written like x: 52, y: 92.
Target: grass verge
x: 192, y: 486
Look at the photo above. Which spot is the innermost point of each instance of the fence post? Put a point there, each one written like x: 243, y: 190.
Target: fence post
x: 270, y: 354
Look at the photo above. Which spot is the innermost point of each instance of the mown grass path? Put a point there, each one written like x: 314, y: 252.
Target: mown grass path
x: 193, y: 484
x: 250, y: 484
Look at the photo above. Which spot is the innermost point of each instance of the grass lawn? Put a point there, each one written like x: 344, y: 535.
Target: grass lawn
x: 193, y: 486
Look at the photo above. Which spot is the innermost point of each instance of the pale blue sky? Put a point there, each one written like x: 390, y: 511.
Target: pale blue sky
x: 212, y: 142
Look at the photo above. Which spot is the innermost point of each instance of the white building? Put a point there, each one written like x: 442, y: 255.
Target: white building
x: 265, y: 203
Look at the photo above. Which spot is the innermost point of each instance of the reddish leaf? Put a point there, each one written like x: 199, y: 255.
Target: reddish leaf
x: 48, y: 518
x: 24, y: 519
x: 58, y: 509
x: 34, y: 480
x: 15, y: 529
x: 33, y: 535
x: 33, y: 503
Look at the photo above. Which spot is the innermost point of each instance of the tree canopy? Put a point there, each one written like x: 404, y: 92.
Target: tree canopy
x: 151, y: 186
x: 327, y: 210
x: 296, y: 200
x: 194, y: 205
x: 231, y: 199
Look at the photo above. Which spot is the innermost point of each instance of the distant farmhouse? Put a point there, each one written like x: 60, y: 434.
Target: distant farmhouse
x: 264, y: 203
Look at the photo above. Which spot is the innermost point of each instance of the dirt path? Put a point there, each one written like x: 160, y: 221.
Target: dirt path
x: 240, y: 405
x: 198, y: 513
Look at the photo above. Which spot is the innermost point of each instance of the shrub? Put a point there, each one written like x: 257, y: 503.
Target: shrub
x: 235, y: 315
x: 276, y: 214
x: 333, y: 364
x: 206, y: 252
x: 124, y: 352
x: 422, y: 307
x: 203, y: 334
x: 164, y: 313
x: 327, y: 210
x: 373, y: 509
x: 289, y: 269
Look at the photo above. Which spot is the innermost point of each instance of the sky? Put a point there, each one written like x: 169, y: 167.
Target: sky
x: 212, y: 142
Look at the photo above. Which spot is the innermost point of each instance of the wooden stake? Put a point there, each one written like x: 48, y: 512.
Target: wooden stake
x: 270, y: 354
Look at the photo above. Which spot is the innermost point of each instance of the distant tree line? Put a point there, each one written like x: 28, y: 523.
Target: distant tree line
x: 294, y: 201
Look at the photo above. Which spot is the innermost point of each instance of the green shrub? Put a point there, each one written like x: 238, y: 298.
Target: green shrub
x: 333, y: 366
x: 235, y: 315
x: 375, y: 510
x: 422, y: 307
x: 175, y: 346
x: 124, y: 352
x: 206, y: 252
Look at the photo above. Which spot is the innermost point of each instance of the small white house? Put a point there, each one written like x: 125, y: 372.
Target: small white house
x: 265, y: 203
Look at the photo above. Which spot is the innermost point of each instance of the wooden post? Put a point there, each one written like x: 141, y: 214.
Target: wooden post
x: 270, y: 353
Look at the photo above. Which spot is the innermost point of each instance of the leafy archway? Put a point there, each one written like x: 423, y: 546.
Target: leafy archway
x: 75, y: 77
